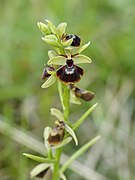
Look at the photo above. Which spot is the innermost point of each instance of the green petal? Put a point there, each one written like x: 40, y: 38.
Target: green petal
x: 83, y: 47
x: 71, y: 132
x: 74, y: 99
x: 63, y: 143
x: 39, y: 159
x: 51, y: 26
x: 67, y: 43
x: 61, y: 29
x: 79, y: 59
x: 51, y: 54
x: 39, y: 168
x: 57, y: 113
x: 58, y: 60
x: 52, y: 40
x: 50, y: 81
x: 46, y: 134
x: 43, y: 28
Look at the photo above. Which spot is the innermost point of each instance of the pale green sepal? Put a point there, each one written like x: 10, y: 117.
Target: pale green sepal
x: 80, y: 59
x: 38, y: 169
x: 63, y: 143
x: 67, y: 43
x: 43, y: 28
x: 57, y: 113
x: 72, y: 133
x: 69, y: 50
x: 84, y: 116
x: 50, y: 81
x: 74, y: 99
x: 58, y: 60
x: 52, y: 54
x: 63, y: 177
x: 52, y: 40
x: 78, y: 153
x: 39, y: 159
x: 83, y: 48
x: 51, y: 26
x: 61, y: 28
x: 46, y: 134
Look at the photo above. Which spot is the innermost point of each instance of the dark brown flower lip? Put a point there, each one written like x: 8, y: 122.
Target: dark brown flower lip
x: 57, y: 134
x: 69, y: 73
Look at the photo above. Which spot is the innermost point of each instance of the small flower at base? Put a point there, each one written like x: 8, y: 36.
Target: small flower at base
x: 57, y: 134
x: 43, y: 173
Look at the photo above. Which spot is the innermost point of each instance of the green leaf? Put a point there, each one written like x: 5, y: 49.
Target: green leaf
x: 52, y: 40
x: 51, y: 54
x: 50, y: 81
x: 67, y: 43
x: 51, y: 26
x: 84, y: 116
x: 57, y: 113
x: 58, y: 60
x: 61, y: 28
x: 63, y: 177
x: 73, y: 98
x: 78, y: 153
x: 83, y: 47
x: 71, y: 132
x: 39, y: 169
x: 79, y: 59
x: 39, y: 159
x: 43, y: 28
x: 63, y: 143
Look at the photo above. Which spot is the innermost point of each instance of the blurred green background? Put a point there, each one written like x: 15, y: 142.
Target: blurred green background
x: 24, y: 106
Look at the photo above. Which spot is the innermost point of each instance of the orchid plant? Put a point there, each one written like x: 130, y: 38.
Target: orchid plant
x: 62, y: 68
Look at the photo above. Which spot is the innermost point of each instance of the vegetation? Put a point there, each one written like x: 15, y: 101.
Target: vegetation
x: 24, y: 105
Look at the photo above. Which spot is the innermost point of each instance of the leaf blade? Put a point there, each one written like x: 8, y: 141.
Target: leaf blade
x: 39, y: 159
x: 84, y: 116
x: 78, y: 153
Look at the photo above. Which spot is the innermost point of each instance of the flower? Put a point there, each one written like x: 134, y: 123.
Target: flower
x: 76, y: 39
x: 46, y: 71
x: 81, y: 93
x: 57, y: 134
x: 69, y: 73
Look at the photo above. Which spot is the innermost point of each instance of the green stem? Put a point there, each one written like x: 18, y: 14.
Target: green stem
x: 57, y: 165
x: 64, y: 97
x: 60, y: 93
